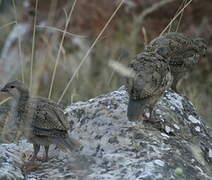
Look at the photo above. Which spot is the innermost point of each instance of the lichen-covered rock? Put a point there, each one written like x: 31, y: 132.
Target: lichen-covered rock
x: 176, y: 144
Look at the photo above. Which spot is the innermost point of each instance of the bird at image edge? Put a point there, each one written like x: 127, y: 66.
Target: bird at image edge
x: 41, y: 121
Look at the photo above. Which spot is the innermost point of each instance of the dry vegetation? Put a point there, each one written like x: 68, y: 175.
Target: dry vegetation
x: 50, y: 58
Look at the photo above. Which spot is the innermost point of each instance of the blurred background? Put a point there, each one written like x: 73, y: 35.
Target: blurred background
x: 32, y: 40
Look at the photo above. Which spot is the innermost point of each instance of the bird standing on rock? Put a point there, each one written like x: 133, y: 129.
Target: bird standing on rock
x: 151, y: 78
x: 181, y: 51
x: 40, y: 120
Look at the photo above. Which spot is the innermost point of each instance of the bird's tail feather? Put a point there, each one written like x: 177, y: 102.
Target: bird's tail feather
x: 68, y: 143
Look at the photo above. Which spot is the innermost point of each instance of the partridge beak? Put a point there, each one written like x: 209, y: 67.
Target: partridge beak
x: 4, y: 89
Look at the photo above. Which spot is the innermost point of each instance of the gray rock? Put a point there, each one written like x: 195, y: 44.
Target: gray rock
x: 177, y: 145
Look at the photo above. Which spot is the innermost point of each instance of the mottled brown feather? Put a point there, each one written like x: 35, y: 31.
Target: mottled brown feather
x: 182, y: 52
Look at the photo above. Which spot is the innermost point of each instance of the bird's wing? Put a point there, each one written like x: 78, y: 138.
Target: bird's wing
x: 47, y: 101
x: 179, y: 48
x: 48, y: 118
x: 150, y: 78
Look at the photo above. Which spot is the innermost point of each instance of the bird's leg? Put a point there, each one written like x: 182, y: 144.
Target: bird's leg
x: 174, y: 87
x: 178, y: 79
x: 151, y: 115
x: 46, y: 158
x: 149, y: 118
x: 36, y: 148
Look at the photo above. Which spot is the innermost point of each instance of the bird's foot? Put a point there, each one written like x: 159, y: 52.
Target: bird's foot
x: 30, y: 159
x: 43, y: 159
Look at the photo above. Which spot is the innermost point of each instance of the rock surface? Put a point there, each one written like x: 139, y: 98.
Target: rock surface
x: 176, y: 145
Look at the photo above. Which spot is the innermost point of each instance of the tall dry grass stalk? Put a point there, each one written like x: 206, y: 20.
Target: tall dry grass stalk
x: 8, y: 24
x: 181, y: 15
x: 19, y: 42
x: 181, y: 5
x: 67, y: 34
x: 90, y: 49
x: 60, y: 48
x: 145, y: 35
x: 4, y: 101
x: 33, y: 47
x: 175, y: 17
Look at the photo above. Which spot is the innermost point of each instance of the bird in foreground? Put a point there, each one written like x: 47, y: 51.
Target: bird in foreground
x: 181, y: 51
x: 151, y: 78
x: 41, y: 121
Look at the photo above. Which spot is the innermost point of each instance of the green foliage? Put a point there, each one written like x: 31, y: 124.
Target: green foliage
x: 178, y: 171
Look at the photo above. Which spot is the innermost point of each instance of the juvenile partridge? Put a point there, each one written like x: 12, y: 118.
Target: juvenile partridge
x: 39, y: 120
x: 151, y: 78
x: 181, y: 51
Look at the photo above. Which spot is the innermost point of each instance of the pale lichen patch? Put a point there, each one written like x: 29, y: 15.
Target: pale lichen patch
x: 159, y: 162
x: 193, y: 119
x: 197, y: 128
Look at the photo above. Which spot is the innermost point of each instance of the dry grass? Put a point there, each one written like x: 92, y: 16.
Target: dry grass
x: 8, y: 24
x: 60, y: 48
x: 19, y: 42
x: 90, y: 49
x: 33, y: 47
x: 68, y: 72
x: 175, y: 17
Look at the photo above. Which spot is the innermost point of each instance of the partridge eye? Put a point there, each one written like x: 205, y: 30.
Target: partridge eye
x: 12, y: 87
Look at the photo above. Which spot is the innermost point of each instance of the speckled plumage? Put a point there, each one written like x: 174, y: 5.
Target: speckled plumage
x: 40, y: 120
x: 152, y: 77
x: 181, y: 52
